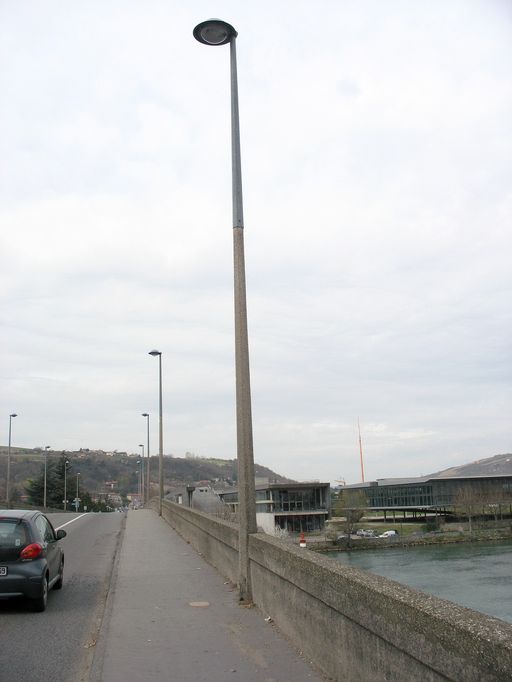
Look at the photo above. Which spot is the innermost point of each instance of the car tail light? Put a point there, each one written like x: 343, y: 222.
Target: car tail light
x: 31, y: 552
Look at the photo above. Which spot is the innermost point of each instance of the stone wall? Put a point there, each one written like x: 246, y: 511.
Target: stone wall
x: 353, y: 625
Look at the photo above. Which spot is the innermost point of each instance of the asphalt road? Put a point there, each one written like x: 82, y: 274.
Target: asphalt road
x: 57, y: 645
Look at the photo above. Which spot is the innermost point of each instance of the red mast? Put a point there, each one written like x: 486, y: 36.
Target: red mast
x: 360, y: 450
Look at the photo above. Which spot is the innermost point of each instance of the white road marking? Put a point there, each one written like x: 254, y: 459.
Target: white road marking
x: 68, y: 522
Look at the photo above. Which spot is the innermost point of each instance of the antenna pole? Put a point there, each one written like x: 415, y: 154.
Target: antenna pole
x: 360, y: 450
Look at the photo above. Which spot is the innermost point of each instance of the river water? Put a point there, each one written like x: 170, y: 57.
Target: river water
x: 475, y: 575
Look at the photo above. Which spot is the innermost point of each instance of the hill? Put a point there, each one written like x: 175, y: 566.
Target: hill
x: 121, y: 471
x: 499, y: 465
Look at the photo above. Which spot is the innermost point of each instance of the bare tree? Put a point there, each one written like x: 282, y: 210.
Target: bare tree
x: 468, y: 502
x: 351, y: 506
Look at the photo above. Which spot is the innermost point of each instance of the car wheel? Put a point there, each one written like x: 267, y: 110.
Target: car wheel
x: 39, y: 604
x: 58, y: 583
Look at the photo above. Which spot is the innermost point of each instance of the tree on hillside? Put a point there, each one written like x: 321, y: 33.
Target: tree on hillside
x: 35, y: 489
x: 54, y: 484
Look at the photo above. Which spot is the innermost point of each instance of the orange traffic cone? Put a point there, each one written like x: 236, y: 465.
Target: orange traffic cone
x: 302, y: 540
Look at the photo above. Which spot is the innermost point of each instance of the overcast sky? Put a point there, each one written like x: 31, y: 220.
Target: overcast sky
x: 377, y: 173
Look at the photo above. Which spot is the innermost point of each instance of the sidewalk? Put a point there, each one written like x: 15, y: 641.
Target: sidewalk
x: 171, y: 617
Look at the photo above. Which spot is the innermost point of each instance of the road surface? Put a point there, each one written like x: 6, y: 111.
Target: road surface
x: 57, y: 645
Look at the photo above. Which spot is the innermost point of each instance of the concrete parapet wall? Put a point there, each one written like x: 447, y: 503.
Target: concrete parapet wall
x: 354, y: 625
x: 215, y: 539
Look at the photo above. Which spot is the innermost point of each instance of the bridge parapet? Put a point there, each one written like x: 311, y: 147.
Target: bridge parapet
x: 352, y: 624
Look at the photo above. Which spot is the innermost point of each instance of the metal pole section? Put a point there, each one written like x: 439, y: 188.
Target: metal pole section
x: 8, y: 481
x: 236, y: 161
x: 45, y: 465
x: 148, y: 465
x: 142, y: 486
x: 160, y: 441
x: 246, y: 488
x: 65, y: 485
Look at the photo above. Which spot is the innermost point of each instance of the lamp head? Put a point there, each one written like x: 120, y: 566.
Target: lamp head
x: 154, y: 353
x: 13, y: 415
x: 214, y: 32
x: 145, y: 414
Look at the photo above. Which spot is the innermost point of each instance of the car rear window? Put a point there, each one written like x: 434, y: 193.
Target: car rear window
x: 13, y: 537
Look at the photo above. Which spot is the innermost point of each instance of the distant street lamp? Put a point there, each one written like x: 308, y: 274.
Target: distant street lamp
x: 77, y: 498
x: 45, y: 468
x: 65, y: 501
x: 148, y: 491
x: 8, y: 480
x: 142, y: 474
x: 158, y: 353
x: 216, y: 32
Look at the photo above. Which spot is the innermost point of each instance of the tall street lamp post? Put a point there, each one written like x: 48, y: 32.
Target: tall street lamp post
x: 138, y: 481
x: 216, y: 32
x: 158, y: 353
x: 45, y: 475
x: 142, y: 474
x: 77, y: 498
x: 8, y: 479
x: 145, y: 414
x: 65, y: 500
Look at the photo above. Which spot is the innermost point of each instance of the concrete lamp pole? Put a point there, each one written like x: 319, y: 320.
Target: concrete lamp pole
x: 45, y: 476
x: 141, y: 445
x: 158, y: 353
x: 216, y: 32
x: 8, y: 478
x: 145, y: 414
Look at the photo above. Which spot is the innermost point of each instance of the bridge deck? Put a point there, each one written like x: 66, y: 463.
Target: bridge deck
x: 173, y: 617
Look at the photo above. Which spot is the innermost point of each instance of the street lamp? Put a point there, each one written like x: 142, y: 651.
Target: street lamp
x: 216, y: 32
x: 47, y: 447
x: 65, y: 500
x: 8, y: 480
x: 142, y: 474
x: 145, y: 414
x: 77, y: 498
x: 158, y: 353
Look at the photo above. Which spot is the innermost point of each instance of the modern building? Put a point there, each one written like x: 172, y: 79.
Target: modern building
x: 488, y: 481
x: 295, y: 507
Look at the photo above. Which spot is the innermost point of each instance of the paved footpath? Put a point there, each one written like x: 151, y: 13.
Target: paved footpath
x: 171, y: 617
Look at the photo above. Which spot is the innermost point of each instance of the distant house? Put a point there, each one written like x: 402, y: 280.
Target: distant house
x: 295, y: 507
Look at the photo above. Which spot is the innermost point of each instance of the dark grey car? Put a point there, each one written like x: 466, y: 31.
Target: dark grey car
x: 31, y: 559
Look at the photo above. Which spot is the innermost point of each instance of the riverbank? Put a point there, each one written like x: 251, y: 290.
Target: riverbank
x: 355, y: 542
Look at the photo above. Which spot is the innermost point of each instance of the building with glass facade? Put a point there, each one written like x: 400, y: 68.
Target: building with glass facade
x: 435, y: 493
x: 295, y: 507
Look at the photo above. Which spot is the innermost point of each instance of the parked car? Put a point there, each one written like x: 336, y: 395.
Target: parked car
x: 31, y: 558
x: 388, y: 534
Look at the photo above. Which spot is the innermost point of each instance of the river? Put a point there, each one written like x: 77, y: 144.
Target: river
x: 476, y: 575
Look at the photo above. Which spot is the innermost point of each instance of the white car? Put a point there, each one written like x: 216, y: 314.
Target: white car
x: 388, y: 534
